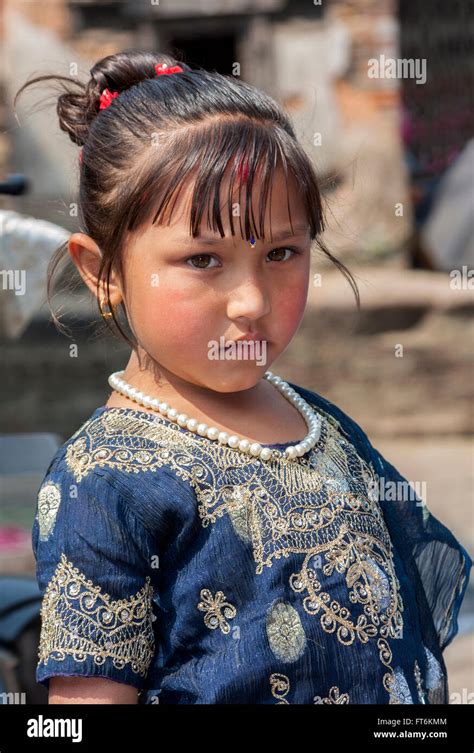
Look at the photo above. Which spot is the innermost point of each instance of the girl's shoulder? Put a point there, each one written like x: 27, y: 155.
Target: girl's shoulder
x: 113, y: 442
x: 104, y: 459
x: 339, y: 420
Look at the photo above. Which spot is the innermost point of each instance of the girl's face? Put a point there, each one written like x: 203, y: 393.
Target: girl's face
x: 185, y: 295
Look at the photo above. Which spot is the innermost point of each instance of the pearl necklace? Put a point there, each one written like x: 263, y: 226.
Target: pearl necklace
x: 255, y: 449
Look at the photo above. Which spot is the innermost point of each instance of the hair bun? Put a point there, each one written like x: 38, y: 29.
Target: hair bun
x: 79, y: 103
x: 116, y: 72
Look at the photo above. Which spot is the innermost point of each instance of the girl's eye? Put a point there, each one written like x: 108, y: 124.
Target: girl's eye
x: 201, y: 257
x: 283, y: 248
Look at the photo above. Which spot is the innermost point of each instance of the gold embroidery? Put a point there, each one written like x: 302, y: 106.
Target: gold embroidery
x: 280, y: 686
x: 385, y: 655
x: 218, y: 611
x: 49, y: 500
x: 334, y: 697
x: 349, y: 552
x: 394, y: 682
x: 78, y: 620
x: 135, y: 441
x: 323, y: 506
x: 285, y: 632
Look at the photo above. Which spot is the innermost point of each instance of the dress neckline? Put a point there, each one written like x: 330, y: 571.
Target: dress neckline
x: 162, y: 419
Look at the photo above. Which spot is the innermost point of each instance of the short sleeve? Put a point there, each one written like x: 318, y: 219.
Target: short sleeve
x: 442, y: 563
x: 93, y: 567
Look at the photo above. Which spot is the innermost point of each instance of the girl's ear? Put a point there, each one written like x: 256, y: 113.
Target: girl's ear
x: 86, y: 255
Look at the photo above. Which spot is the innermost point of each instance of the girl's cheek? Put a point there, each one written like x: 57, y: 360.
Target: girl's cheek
x: 290, y: 307
x: 182, y: 321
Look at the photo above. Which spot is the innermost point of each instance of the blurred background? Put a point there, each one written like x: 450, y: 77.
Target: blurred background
x: 393, y: 145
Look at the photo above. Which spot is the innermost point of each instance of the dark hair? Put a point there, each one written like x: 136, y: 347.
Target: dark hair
x: 202, y: 120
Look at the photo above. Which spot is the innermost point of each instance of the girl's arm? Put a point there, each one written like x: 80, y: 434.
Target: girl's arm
x: 90, y: 690
x: 93, y: 560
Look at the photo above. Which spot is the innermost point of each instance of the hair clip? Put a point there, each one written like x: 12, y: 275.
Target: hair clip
x: 161, y: 68
x: 106, y: 98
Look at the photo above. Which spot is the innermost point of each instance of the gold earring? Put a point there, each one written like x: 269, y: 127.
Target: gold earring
x: 106, y: 314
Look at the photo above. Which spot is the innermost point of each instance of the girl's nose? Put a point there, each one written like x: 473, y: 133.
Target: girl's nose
x: 250, y: 300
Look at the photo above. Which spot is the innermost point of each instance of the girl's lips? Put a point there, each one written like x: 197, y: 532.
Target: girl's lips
x: 249, y: 336
x: 243, y: 339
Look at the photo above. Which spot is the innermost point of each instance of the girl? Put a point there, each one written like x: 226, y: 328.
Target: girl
x: 213, y: 534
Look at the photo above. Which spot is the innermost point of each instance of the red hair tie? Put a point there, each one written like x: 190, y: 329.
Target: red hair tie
x: 160, y: 68
x: 106, y: 98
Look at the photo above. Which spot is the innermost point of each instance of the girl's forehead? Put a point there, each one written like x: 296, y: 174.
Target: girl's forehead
x: 236, y: 186
x: 235, y: 204
x: 279, y: 230
x: 283, y: 206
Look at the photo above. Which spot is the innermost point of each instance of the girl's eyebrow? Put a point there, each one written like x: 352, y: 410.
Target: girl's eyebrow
x: 277, y: 236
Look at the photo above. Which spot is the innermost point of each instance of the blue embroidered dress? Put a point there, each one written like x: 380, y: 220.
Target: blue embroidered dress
x: 202, y: 575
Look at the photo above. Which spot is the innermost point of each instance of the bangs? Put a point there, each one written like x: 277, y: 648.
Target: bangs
x: 242, y: 148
